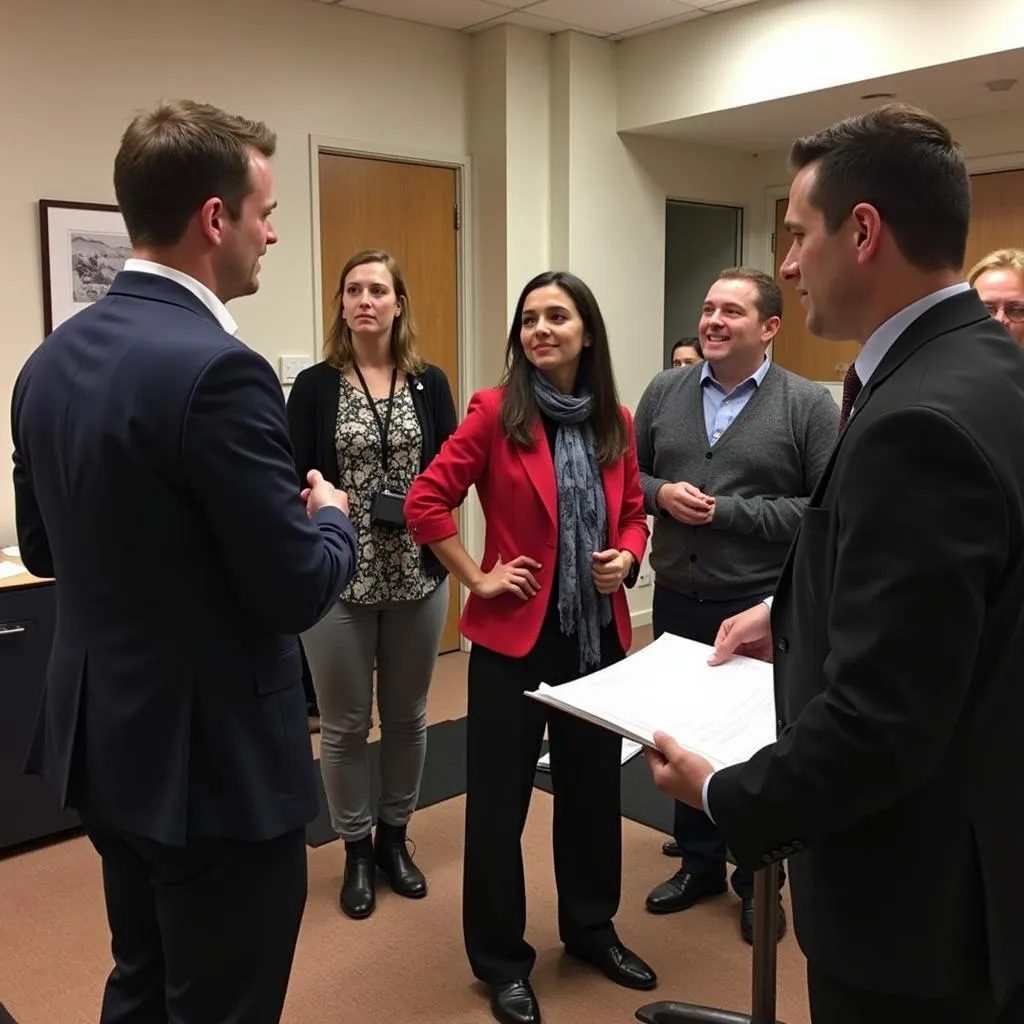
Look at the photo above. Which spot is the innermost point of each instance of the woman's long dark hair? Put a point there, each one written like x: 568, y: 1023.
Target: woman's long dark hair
x: 519, y: 407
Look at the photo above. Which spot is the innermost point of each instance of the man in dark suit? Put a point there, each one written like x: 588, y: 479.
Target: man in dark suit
x: 898, y: 623
x: 154, y: 480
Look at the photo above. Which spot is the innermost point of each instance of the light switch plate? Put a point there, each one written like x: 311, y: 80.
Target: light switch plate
x: 289, y: 367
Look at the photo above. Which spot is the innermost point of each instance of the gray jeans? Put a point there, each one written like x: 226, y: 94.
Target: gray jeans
x: 402, y: 637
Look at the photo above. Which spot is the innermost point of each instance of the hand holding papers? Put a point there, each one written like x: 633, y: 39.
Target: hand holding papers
x: 725, y: 713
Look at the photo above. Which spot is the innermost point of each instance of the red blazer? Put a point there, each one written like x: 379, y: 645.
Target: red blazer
x: 517, y: 490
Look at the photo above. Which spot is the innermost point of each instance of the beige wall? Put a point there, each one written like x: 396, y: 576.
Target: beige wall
x: 304, y: 68
x: 553, y: 182
x: 787, y: 47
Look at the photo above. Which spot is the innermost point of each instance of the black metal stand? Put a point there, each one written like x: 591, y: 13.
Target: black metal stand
x: 766, y: 920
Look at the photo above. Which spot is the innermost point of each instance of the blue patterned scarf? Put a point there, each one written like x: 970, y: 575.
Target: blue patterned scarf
x: 582, y: 518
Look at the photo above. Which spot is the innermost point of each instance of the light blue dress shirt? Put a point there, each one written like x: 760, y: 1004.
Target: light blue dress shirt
x: 722, y: 407
x: 867, y: 361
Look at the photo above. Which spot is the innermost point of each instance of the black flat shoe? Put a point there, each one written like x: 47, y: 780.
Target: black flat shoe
x: 747, y: 920
x: 682, y: 891
x: 358, y: 896
x: 514, y: 1002
x: 393, y: 859
x: 671, y: 849
x: 618, y: 964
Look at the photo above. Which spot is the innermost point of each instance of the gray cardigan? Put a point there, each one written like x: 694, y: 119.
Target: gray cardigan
x: 760, y: 472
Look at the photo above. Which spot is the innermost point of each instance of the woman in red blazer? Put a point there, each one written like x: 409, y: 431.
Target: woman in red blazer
x: 553, y: 458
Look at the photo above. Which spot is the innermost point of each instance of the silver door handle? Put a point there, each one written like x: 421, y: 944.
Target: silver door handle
x: 11, y: 630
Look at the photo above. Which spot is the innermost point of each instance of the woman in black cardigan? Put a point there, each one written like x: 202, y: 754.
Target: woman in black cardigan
x: 370, y: 417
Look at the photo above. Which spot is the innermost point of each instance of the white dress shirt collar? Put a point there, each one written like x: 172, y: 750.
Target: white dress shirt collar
x: 197, y: 288
x: 884, y: 337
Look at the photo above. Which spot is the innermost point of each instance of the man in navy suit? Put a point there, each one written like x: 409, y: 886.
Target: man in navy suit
x: 154, y: 480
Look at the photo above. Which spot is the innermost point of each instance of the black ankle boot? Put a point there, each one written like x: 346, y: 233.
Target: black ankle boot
x: 393, y: 859
x: 358, y: 887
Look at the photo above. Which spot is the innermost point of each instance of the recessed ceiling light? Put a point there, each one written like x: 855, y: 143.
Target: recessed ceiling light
x: 879, y: 96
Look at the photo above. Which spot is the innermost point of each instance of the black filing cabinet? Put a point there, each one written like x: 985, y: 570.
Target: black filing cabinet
x: 29, y: 809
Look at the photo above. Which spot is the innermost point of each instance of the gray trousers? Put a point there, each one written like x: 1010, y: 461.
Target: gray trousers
x: 402, y: 638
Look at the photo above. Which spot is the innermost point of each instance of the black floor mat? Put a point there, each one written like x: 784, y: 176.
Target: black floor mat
x: 444, y: 776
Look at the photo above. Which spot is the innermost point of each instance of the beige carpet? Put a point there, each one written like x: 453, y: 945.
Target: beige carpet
x: 406, y: 963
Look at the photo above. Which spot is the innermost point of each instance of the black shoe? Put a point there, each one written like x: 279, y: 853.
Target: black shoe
x: 393, y: 859
x: 358, y: 886
x: 747, y: 920
x: 683, y: 890
x: 514, y: 1002
x: 618, y: 964
x: 671, y: 849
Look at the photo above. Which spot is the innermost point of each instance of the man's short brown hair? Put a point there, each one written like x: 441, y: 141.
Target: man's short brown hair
x: 769, y: 294
x: 904, y: 163
x: 176, y: 157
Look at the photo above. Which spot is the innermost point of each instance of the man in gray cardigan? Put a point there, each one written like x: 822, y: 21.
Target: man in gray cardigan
x: 729, y: 451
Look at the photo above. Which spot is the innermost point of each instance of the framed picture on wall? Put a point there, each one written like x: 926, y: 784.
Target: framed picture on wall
x: 83, y: 246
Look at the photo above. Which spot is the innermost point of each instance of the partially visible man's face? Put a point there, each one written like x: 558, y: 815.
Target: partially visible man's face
x: 247, y: 238
x: 684, y: 355
x: 818, y: 263
x: 1002, y: 290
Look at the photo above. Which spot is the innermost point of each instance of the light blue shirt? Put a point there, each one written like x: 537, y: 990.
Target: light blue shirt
x: 867, y: 362
x: 884, y: 337
x: 722, y: 407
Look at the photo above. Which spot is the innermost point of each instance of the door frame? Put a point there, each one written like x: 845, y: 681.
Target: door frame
x: 461, y: 163
x: 773, y: 193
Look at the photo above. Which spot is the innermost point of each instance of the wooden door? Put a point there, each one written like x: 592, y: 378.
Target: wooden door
x: 997, y: 221
x: 409, y: 210
x: 997, y: 214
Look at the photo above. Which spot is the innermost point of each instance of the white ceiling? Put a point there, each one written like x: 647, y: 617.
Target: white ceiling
x: 949, y: 91
x: 611, y: 19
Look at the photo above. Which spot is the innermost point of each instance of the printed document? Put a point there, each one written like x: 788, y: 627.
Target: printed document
x: 725, y: 713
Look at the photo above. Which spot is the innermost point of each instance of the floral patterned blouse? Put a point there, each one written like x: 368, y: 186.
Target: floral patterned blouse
x: 390, y: 565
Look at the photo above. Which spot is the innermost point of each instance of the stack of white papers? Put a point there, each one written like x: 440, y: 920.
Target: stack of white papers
x: 11, y: 569
x: 629, y: 751
x: 725, y: 713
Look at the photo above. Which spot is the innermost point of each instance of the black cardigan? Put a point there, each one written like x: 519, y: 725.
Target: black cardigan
x: 313, y: 419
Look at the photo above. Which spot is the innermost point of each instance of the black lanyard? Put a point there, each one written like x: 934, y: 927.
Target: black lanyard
x: 383, y: 428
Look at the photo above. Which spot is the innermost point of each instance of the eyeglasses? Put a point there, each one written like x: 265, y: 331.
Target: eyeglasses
x: 1013, y: 311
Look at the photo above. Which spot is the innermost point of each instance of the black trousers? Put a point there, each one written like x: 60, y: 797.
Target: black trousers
x: 702, y: 845
x: 834, y: 1002
x: 504, y: 734
x: 201, y: 934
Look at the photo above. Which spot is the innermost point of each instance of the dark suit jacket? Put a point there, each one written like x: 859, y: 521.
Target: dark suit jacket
x: 899, y: 673
x: 154, y: 479
x: 313, y: 422
x: 518, y: 493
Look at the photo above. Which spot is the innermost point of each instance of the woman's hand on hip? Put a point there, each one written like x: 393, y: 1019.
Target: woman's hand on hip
x: 512, y: 577
x: 610, y: 568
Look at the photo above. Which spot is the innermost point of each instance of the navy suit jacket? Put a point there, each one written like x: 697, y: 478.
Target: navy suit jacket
x: 154, y: 479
